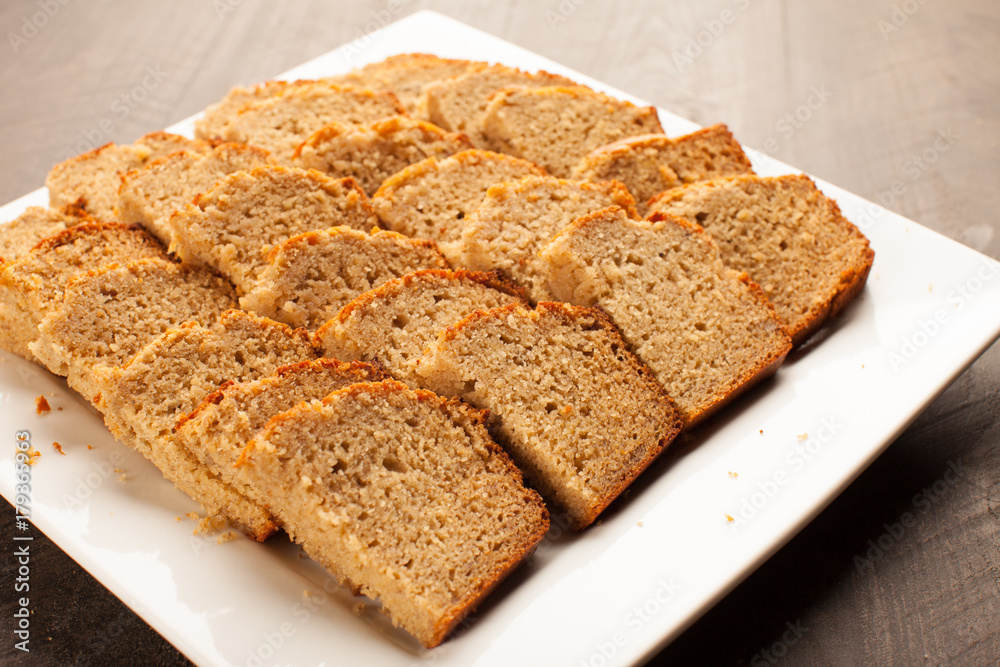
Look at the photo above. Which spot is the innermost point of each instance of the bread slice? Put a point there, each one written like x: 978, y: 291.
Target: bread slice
x: 213, y: 122
x: 281, y: 122
x: 310, y: 277
x: 651, y: 163
x: 556, y: 126
x: 108, y: 314
x: 577, y: 412
x: 90, y: 181
x: 36, y: 223
x: 406, y: 75
x: 374, y: 152
x: 33, y: 286
x: 707, y: 332
x: 222, y: 424
x: 150, y: 195
x: 432, y: 198
x: 143, y: 400
x: 234, y: 226
x: 459, y: 103
x: 403, y: 493
x: 790, y: 237
x: 396, y: 322
x: 515, y: 220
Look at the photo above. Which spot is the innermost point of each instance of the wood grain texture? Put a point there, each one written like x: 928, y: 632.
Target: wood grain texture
x: 870, y: 100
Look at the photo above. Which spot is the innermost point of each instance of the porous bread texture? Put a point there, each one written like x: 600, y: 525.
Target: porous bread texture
x: 459, y: 103
x: 281, y: 122
x: 396, y: 322
x: 652, y: 163
x: 402, y: 493
x: 515, y: 220
x: 310, y: 277
x: 36, y: 223
x: 406, y: 75
x: 150, y: 195
x: 212, y: 124
x: 788, y: 236
x: 432, y: 198
x: 33, y: 286
x: 556, y: 126
x: 374, y: 152
x: 577, y: 412
x: 109, y: 314
x: 143, y: 400
x: 234, y: 226
x: 707, y: 332
x: 222, y: 424
x: 90, y: 181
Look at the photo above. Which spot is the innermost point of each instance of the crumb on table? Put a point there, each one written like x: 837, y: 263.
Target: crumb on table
x: 42, y: 405
x: 58, y: 448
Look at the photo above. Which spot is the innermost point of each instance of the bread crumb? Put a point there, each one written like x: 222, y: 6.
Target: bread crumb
x: 89, y: 446
x: 177, y: 518
x: 41, y: 405
x: 192, y: 516
x: 733, y: 475
x: 358, y: 608
x: 121, y: 478
x: 58, y: 448
x: 802, y: 436
x: 227, y: 536
x: 930, y: 288
x: 639, y: 523
x: 119, y: 470
x: 59, y: 408
x: 210, y: 524
x: 33, y: 456
x: 729, y: 518
x: 761, y: 431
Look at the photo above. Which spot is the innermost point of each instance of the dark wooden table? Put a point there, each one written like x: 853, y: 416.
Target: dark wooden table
x: 854, y: 92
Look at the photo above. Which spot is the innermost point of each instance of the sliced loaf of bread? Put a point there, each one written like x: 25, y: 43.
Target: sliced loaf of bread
x: 35, y: 224
x: 372, y: 153
x: 706, y: 331
x: 651, y: 163
x: 459, y: 103
x: 555, y: 127
x: 108, y: 314
x: 788, y: 236
x: 150, y: 195
x: 577, y: 412
x: 222, y: 424
x: 283, y: 121
x: 432, y: 198
x: 310, y: 277
x: 515, y: 220
x: 406, y: 75
x: 33, y: 286
x: 143, y: 400
x: 90, y: 181
x: 234, y: 226
x: 402, y: 493
x: 396, y: 322
x: 213, y: 122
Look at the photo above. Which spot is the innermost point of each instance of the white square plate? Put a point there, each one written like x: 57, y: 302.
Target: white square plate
x: 609, y: 596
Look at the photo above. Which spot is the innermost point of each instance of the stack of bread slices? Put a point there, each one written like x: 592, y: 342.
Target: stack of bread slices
x: 408, y: 312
